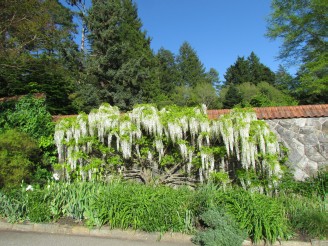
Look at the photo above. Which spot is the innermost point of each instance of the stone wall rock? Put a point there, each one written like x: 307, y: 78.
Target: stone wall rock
x: 307, y: 141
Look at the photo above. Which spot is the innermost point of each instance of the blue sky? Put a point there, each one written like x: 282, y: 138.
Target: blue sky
x: 218, y: 30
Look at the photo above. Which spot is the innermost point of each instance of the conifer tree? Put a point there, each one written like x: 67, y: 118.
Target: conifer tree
x: 121, y: 59
x: 249, y: 70
x: 168, y: 71
x: 238, y: 73
x: 259, y: 72
x: 191, y: 70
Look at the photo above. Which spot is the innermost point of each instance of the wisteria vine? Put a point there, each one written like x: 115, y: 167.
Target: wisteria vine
x: 106, y: 141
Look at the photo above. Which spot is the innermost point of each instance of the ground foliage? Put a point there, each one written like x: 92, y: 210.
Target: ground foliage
x: 121, y: 204
x: 220, y: 229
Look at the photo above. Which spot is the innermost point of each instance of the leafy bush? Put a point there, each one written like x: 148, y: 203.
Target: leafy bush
x: 307, y: 216
x: 13, y: 205
x: 128, y: 205
x: 18, y: 157
x: 221, y: 229
x: 206, y: 197
x: 38, y: 209
x: 312, y: 187
x: 263, y: 217
x: 30, y: 116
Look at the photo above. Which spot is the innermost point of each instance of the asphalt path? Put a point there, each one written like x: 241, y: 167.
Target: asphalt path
x: 14, y: 238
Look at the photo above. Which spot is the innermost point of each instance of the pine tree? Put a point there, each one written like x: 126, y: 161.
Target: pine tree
x: 232, y: 98
x: 284, y: 81
x: 213, y: 77
x: 238, y: 73
x: 168, y: 71
x: 259, y: 72
x: 121, y: 58
x: 249, y: 70
x: 191, y: 70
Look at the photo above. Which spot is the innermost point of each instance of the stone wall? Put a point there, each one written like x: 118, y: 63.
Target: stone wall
x: 307, y: 141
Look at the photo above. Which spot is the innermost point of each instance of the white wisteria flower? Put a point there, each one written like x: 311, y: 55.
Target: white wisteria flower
x: 56, y: 176
x: 29, y: 187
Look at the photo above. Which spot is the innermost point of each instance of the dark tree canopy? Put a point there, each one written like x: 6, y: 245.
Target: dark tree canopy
x: 121, y: 58
x: 37, y: 51
x: 238, y: 73
x: 249, y: 70
x: 191, y: 70
x: 302, y: 26
x: 168, y: 70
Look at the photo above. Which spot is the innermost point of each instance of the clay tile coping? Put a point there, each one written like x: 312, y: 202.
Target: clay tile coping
x: 15, y: 98
x: 264, y: 113
x: 57, y: 118
x: 281, y: 112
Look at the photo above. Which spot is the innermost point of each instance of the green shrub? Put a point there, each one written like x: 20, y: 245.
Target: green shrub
x: 38, y: 209
x: 19, y: 155
x: 307, y: 216
x: 206, y: 197
x: 263, y: 217
x: 130, y: 205
x: 13, y: 205
x: 30, y: 116
x: 221, y: 229
x: 312, y: 187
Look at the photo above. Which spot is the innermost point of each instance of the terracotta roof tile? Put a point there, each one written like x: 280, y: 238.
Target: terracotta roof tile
x: 56, y: 118
x: 264, y: 113
x: 282, y: 112
x: 15, y: 98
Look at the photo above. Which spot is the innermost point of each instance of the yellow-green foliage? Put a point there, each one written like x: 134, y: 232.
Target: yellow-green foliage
x: 19, y: 154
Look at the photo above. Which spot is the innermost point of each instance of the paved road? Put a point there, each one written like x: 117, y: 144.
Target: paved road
x: 12, y: 238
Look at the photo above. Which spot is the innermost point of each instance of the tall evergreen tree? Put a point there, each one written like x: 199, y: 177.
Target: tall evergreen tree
x: 191, y: 70
x: 249, y: 70
x: 121, y: 59
x: 213, y: 77
x: 168, y: 71
x: 232, y: 97
x: 238, y: 73
x: 259, y: 72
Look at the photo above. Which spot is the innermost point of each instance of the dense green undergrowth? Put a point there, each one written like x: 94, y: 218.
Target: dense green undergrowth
x: 124, y: 205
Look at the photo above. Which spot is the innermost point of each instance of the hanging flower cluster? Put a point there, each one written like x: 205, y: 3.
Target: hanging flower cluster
x: 204, y: 145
